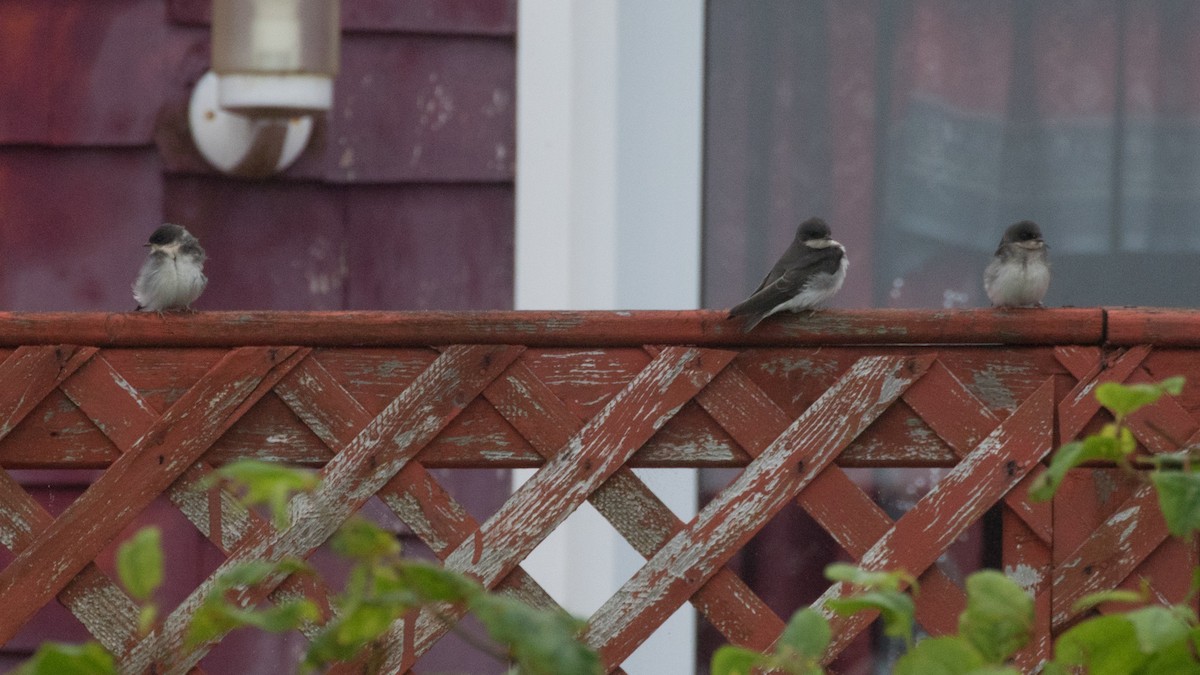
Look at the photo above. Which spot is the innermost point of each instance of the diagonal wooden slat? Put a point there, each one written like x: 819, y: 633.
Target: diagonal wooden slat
x: 962, y: 420
x: 352, y: 477
x: 1092, y: 368
x: 101, y: 606
x: 725, y: 600
x: 834, y: 501
x: 1136, y: 528
x: 174, y: 442
x: 544, y: 501
x: 107, y: 612
x: 124, y: 416
x: 29, y: 375
x: 733, y: 517
x: 420, y: 501
x: 993, y: 468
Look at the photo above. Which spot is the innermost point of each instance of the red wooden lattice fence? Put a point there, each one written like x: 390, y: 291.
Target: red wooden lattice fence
x: 378, y: 400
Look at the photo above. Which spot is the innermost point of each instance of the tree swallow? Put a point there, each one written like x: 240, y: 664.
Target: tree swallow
x: 810, y: 271
x: 1019, y: 274
x: 173, y: 275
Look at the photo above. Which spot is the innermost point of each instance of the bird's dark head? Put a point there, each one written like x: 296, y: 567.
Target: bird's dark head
x: 1025, y: 234
x: 166, y: 235
x: 813, y: 228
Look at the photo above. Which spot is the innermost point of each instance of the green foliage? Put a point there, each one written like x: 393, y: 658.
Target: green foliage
x: 798, y: 651
x: 882, y: 593
x: 1125, y: 399
x: 140, y: 569
x: 999, y: 616
x: 54, y: 658
x: 541, y: 642
x: 1179, y: 499
x: 221, y: 612
x: 140, y: 563
x: 381, y: 587
x: 1149, y: 640
x: 1110, y: 444
x: 266, y: 483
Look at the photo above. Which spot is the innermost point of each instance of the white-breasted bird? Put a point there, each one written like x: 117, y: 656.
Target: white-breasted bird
x: 1019, y: 273
x: 173, y: 275
x: 810, y: 271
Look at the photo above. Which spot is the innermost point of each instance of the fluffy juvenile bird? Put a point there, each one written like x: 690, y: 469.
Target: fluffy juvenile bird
x: 173, y: 275
x: 1019, y: 273
x: 810, y: 271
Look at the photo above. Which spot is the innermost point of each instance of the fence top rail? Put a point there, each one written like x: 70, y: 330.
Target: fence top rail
x: 1061, y: 326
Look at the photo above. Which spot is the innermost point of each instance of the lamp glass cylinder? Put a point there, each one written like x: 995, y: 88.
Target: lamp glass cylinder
x: 275, y: 37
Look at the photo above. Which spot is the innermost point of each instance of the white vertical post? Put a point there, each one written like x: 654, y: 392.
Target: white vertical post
x: 609, y: 133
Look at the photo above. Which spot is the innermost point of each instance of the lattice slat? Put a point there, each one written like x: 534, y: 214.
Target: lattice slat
x: 379, y: 400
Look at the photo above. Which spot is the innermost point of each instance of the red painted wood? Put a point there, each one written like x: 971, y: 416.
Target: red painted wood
x: 1110, y: 553
x: 730, y: 520
x: 993, y: 468
x: 360, y: 469
x: 724, y: 601
x: 112, y: 404
x: 599, y: 449
x: 1160, y: 327
x: 165, y: 451
x: 839, y: 505
x: 597, y: 394
x: 549, y: 328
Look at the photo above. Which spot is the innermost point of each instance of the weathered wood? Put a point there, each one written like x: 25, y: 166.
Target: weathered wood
x: 383, y: 398
x: 960, y: 498
x: 632, y: 508
x: 730, y: 520
x: 588, y: 459
x: 1159, y: 327
x: 352, y: 477
x: 167, y: 450
x: 558, y: 329
x: 832, y: 499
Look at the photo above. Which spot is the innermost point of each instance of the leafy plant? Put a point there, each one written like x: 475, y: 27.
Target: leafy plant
x: 381, y: 587
x: 996, y: 623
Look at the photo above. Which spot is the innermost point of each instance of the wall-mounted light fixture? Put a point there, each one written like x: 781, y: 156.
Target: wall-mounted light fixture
x: 273, y: 68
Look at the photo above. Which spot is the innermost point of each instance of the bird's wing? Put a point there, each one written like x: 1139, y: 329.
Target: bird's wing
x: 787, y: 279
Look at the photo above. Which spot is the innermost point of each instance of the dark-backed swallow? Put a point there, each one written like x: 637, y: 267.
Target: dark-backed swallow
x: 810, y: 271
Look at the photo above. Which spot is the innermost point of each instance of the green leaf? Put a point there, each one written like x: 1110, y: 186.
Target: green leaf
x: 732, y: 660
x: 216, y: 616
x: 253, y: 572
x: 268, y: 483
x: 360, y: 539
x: 999, y: 616
x: 883, y: 581
x: 1125, y: 399
x: 1179, y: 500
x: 1156, y: 627
x: 949, y: 655
x: 146, y: 617
x: 1117, y: 595
x: 54, y: 658
x: 895, y: 607
x: 438, y: 584
x: 807, y: 634
x: 1071, y: 455
x: 281, y: 618
x: 1105, y: 645
x: 140, y: 563
x: 543, y: 642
